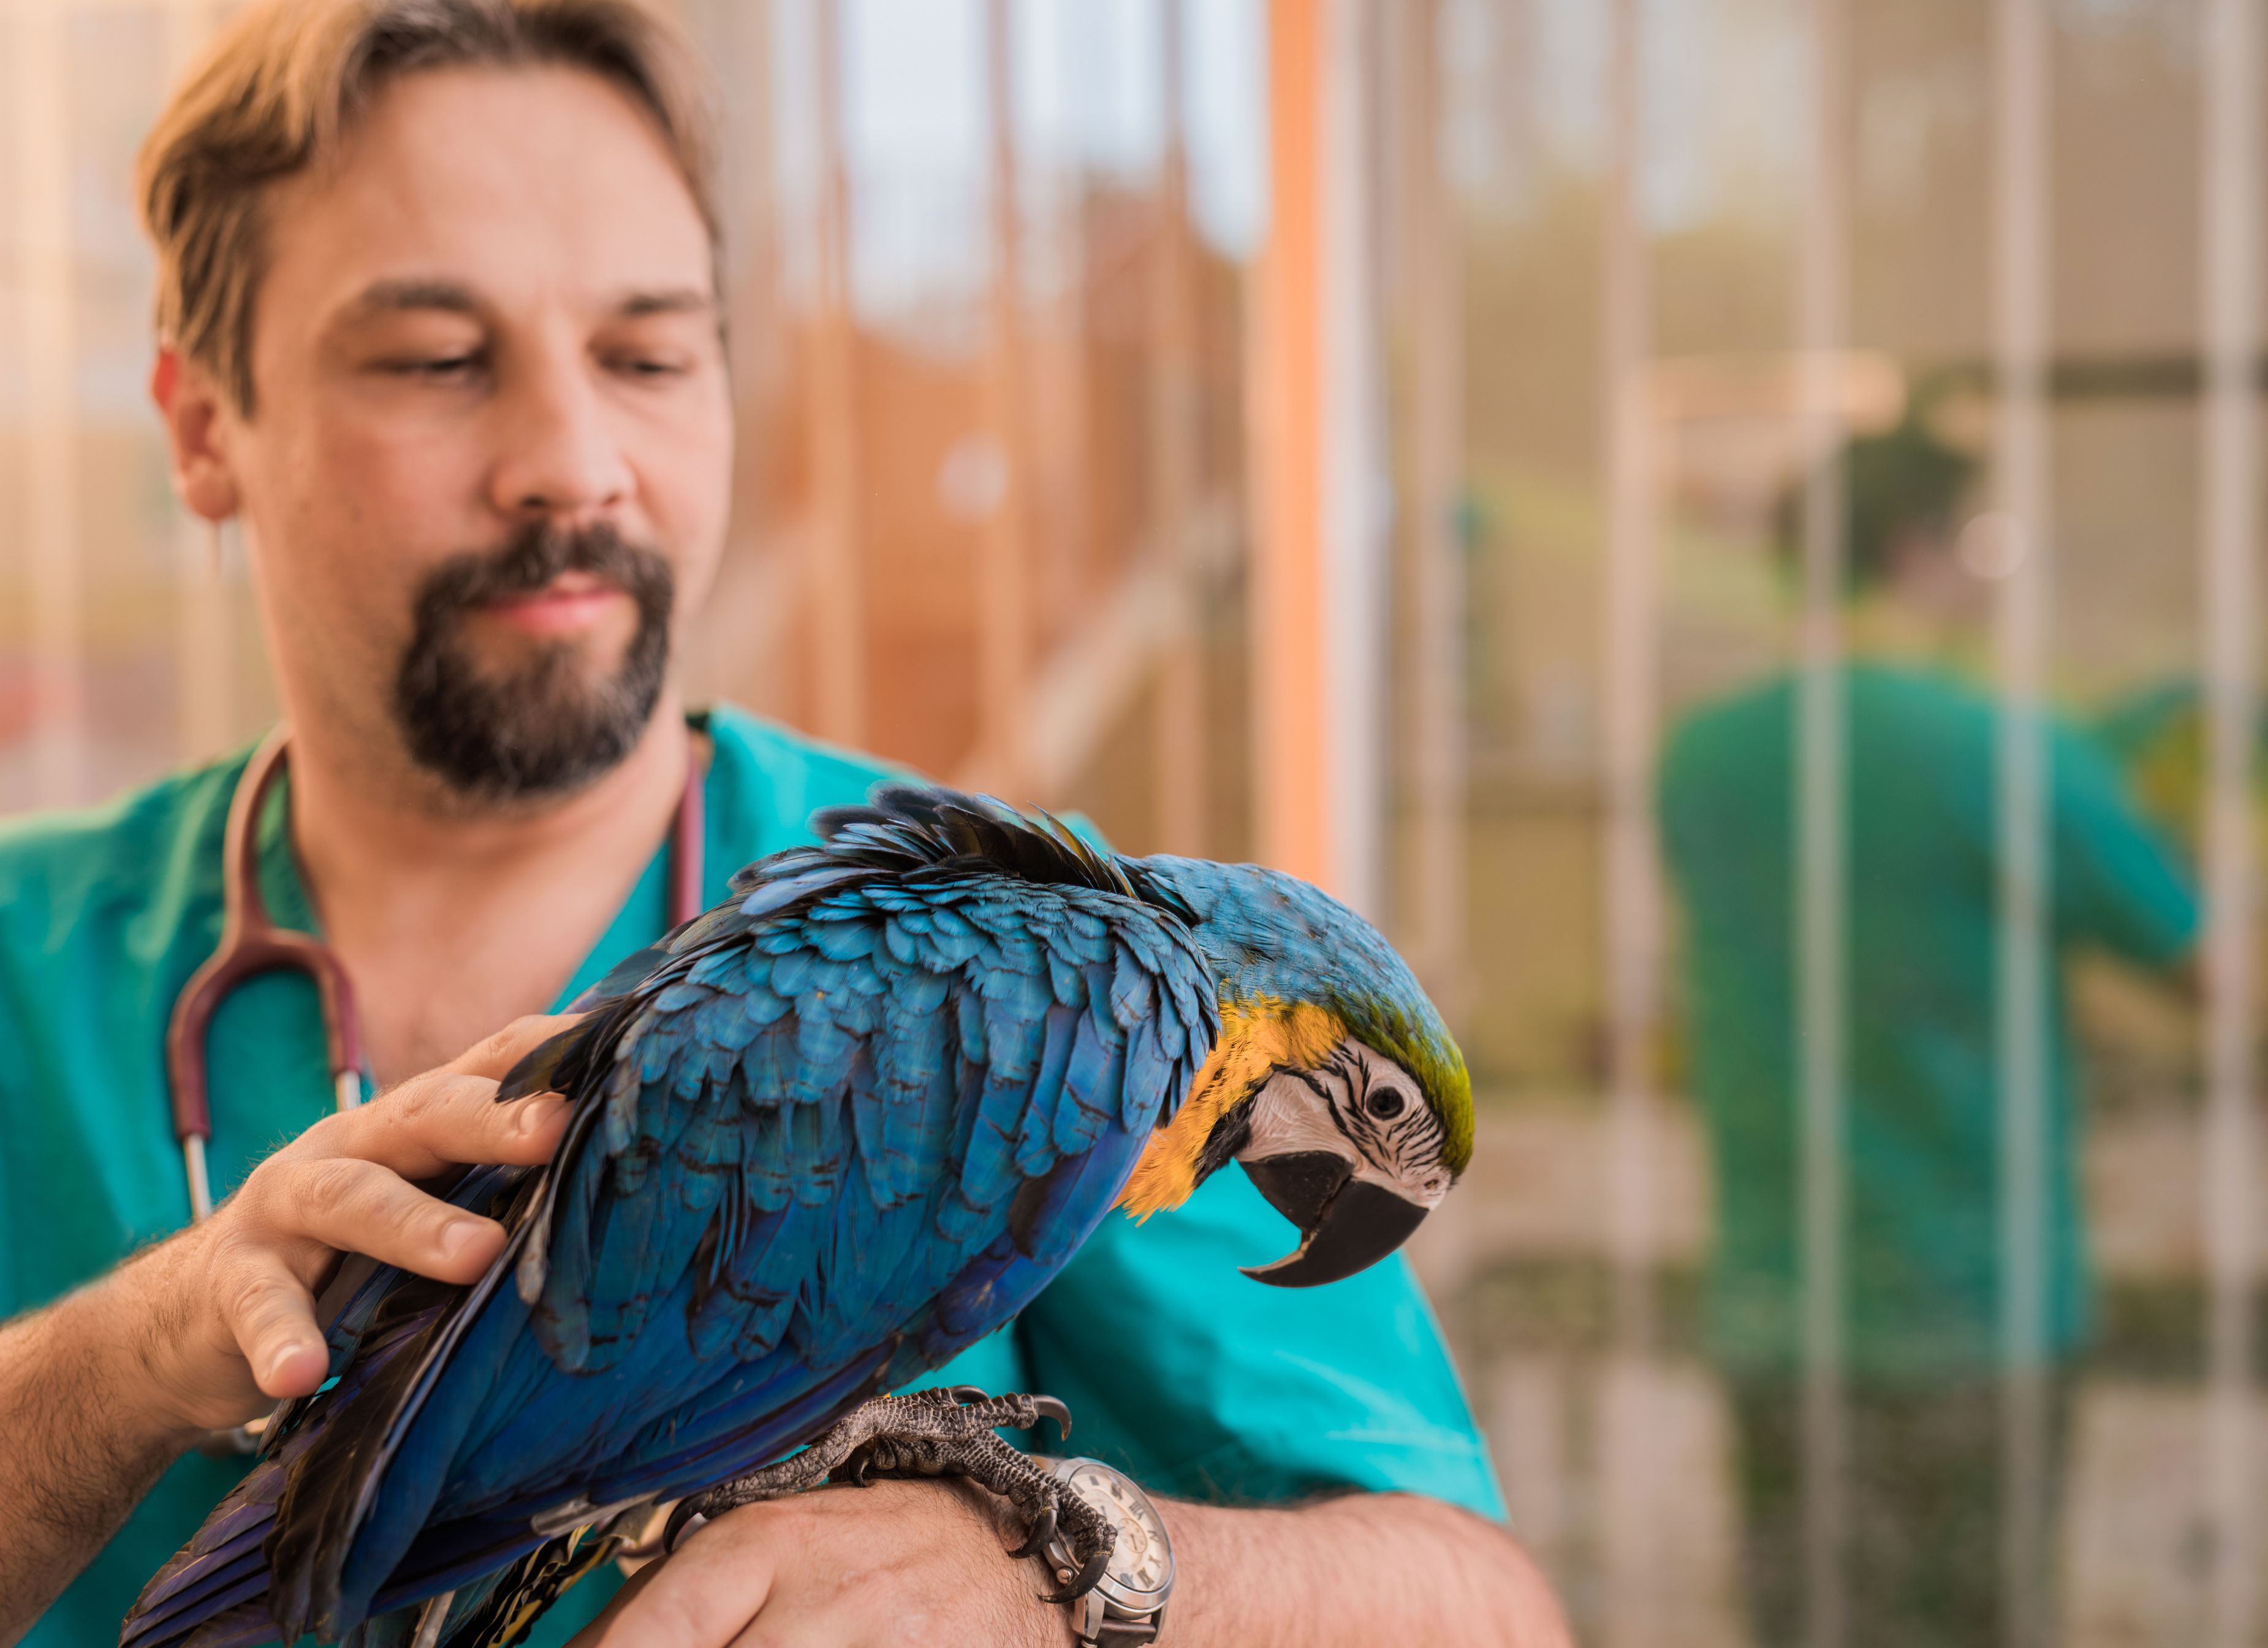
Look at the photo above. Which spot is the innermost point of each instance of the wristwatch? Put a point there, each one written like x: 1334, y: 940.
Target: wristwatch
x: 1128, y: 1604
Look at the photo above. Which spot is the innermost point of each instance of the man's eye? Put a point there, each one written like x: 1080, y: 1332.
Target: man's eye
x: 650, y: 366
x: 437, y: 365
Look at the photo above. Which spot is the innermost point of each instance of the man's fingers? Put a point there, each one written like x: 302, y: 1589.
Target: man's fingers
x: 448, y: 1118
x: 495, y: 1056
x: 273, y: 1320
x: 357, y: 1206
x: 703, y: 1597
x: 597, y: 1633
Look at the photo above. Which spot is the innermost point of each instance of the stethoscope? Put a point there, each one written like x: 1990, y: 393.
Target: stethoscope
x: 251, y: 942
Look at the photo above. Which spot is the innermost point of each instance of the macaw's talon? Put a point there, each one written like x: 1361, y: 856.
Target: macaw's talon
x: 1086, y: 1578
x: 933, y: 1433
x: 1043, y: 1529
x: 686, y: 1515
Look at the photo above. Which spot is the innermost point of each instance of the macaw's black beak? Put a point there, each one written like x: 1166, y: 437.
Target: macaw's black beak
x: 1346, y: 1223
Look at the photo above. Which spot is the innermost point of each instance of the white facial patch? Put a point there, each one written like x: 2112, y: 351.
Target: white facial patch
x: 1362, y: 1108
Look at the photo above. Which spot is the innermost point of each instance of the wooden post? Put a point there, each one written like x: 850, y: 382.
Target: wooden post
x: 1290, y: 829
x: 1318, y: 593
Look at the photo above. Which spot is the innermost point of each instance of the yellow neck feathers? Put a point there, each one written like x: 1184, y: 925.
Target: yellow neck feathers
x: 1258, y: 1037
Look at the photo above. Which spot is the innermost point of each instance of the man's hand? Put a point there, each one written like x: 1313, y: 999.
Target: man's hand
x: 922, y: 1561
x: 101, y: 1390
x: 224, y: 1312
x: 876, y: 1567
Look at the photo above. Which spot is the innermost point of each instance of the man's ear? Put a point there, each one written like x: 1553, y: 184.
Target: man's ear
x: 194, y: 415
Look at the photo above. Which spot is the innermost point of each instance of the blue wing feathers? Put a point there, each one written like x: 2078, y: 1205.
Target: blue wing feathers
x: 1035, y: 1151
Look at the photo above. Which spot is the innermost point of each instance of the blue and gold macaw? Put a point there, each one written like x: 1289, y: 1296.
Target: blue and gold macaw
x: 824, y: 1138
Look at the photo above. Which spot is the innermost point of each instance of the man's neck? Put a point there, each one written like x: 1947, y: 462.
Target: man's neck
x: 453, y: 919
x: 1889, y: 630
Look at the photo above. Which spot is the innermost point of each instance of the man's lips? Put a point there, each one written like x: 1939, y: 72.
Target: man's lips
x: 571, y: 602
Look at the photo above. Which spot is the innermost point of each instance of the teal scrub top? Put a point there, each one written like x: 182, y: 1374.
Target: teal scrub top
x: 1195, y: 1380
x: 1923, y: 1106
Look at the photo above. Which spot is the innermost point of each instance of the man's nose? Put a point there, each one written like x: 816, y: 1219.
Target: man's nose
x: 561, y: 454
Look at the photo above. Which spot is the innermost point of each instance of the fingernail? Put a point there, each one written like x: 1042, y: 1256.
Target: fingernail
x: 459, y: 1234
x: 535, y: 1113
x: 274, y: 1372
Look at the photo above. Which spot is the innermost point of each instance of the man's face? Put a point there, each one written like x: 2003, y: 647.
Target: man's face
x: 487, y: 463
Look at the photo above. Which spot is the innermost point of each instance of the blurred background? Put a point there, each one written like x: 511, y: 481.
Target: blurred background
x: 1730, y: 526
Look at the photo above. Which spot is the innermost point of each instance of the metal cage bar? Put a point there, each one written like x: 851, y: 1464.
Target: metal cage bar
x: 204, y: 607
x: 1631, y: 642
x: 838, y: 576
x: 1004, y: 629
x: 1433, y: 305
x: 2020, y: 321
x: 1180, y: 740
x: 48, y: 337
x: 1632, y: 905
x: 1823, y: 303
x: 2230, y: 544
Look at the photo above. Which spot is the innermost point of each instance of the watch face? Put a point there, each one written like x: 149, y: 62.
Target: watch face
x: 1143, y: 1561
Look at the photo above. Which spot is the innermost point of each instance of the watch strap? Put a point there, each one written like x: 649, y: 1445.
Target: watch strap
x: 1098, y: 1629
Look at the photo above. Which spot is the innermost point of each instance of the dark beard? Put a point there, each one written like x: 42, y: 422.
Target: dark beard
x: 543, y: 730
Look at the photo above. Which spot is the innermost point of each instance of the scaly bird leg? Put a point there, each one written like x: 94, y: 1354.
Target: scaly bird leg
x: 936, y: 1433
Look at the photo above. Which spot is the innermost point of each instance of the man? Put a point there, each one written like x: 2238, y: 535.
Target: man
x: 1923, y: 1267
x: 440, y: 326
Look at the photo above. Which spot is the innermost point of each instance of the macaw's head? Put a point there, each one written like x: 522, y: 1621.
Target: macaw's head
x: 1334, y: 1085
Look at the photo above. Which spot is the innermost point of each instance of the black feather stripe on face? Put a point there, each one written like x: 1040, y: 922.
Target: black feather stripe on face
x: 1229, y: 1136
x: 1409, y: 1143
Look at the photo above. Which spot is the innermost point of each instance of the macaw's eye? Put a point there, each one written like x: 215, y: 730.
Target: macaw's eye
x: 1385, y: 1103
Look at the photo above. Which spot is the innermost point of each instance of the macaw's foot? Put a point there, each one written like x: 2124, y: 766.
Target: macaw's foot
x: 936, y: 1433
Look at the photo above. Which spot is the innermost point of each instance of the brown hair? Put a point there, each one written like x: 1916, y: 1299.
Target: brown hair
x: 282, y: 83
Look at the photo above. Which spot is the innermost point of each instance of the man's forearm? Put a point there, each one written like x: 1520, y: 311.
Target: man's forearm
x: 1366, y: 1568
x: 77, y: 1452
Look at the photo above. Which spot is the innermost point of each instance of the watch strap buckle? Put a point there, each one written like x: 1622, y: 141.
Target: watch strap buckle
x: 1098, y: 1629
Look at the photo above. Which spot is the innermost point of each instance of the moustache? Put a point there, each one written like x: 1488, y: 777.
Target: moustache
x: 536, y: 555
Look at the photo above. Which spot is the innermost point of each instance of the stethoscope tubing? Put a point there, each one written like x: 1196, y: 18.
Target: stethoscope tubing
x: 252, y: 944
